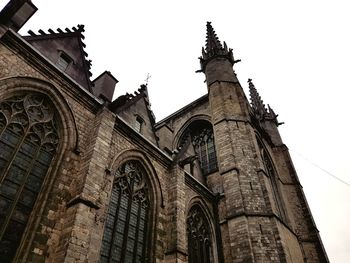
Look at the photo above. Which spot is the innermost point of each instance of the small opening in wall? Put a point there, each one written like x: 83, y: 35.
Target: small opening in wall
x: 63, y: 61
x: 138, y: 124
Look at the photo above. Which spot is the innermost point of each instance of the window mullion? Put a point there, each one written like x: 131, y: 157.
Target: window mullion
x: 128, y: 212
x: 114, y: 234
x: 137, y: 232
x: 17, y: 147
x: 15, y: 200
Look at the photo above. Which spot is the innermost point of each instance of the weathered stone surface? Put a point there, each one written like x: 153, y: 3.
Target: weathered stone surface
x: 256, y: 212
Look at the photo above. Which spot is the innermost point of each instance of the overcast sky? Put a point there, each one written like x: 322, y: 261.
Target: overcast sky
x: 296, y: 52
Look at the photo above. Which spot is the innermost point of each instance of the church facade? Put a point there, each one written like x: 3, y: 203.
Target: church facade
x: 84, y: 178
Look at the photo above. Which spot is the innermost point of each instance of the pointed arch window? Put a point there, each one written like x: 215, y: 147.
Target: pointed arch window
x: 273, y: 180
x: 28, y: 143
x: 126, y: 226
x: 204, y: 146
x: 198, y: 237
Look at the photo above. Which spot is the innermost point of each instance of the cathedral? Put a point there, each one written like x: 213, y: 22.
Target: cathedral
x: 85, y: 178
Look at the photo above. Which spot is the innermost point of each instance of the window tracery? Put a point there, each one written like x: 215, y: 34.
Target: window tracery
x: 198, y: 237
x: 28, y: 141
x: 204, y: 146
x: 200, y: 135
x: 125, y: 233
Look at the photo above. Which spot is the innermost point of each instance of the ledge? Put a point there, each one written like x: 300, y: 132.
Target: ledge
x: 81, y: 200
x: 200, y: 188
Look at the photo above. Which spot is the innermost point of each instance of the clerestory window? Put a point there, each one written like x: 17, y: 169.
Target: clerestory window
x: 204, y: 146
x: 28, y: 143
x: 126, y: 226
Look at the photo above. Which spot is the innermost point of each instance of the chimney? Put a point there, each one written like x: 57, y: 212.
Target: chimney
x: 104, y: 85
x: 16, y: 13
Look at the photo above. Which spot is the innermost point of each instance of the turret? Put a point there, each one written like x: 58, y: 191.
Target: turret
x: 217, y: 60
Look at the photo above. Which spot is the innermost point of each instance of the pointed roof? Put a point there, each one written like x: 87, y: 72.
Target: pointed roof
x: 212, y: 42
x: 214, y: 48
x: 259, y: 109
x: 256, y: 101
x: 125, y: 101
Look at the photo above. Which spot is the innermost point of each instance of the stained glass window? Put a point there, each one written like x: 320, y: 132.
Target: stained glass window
x: 198, y: 237
x: 204, y: 146
x: 126, y: 223
x: 28, y: 142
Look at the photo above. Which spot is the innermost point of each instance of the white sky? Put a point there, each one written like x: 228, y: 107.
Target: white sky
x: 296, y: 52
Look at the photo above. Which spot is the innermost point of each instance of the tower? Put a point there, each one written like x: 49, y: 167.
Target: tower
x: 263, y: 213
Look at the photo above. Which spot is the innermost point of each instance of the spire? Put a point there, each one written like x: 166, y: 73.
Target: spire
x: 256, y: 101
x: 259, y: 108
x: 212, y: 44
x: 214, y: 48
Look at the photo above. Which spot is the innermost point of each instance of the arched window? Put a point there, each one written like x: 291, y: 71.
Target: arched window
x: 28, y: 142
x: 125, y: 233
x: 273, y: 179
x: 200, y: 135
x: 198, y: 237
x: 204, y: 146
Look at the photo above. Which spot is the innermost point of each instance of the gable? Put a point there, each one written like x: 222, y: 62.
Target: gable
x: 136, y: 111
x: 66, y: 51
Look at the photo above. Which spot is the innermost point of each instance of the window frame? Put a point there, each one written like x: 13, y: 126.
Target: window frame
x: 149, y: 224
x: 63, y: 56
x: 38, y: 202
x: 211, y: 253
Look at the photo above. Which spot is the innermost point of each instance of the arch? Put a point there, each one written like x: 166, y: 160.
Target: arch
x: 271, y: 172
x: 12, y: 86
x: 152, y: 183
x: 197, y: 210
x: 184, y: 127
x: 197, y: 138
x: 142, y: 157
x: 30, y: 112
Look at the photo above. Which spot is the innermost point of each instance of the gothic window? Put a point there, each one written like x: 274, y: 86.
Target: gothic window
x: 125, y: 233
x: 28, y: 143
x: 273, y: 180
x: 204, y: 146
x: 198, y: 237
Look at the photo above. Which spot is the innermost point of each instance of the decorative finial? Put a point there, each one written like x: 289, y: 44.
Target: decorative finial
x: 214, y: 48
x: 259, y: 108
x: 147, y: 78
x: 213, y: 43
